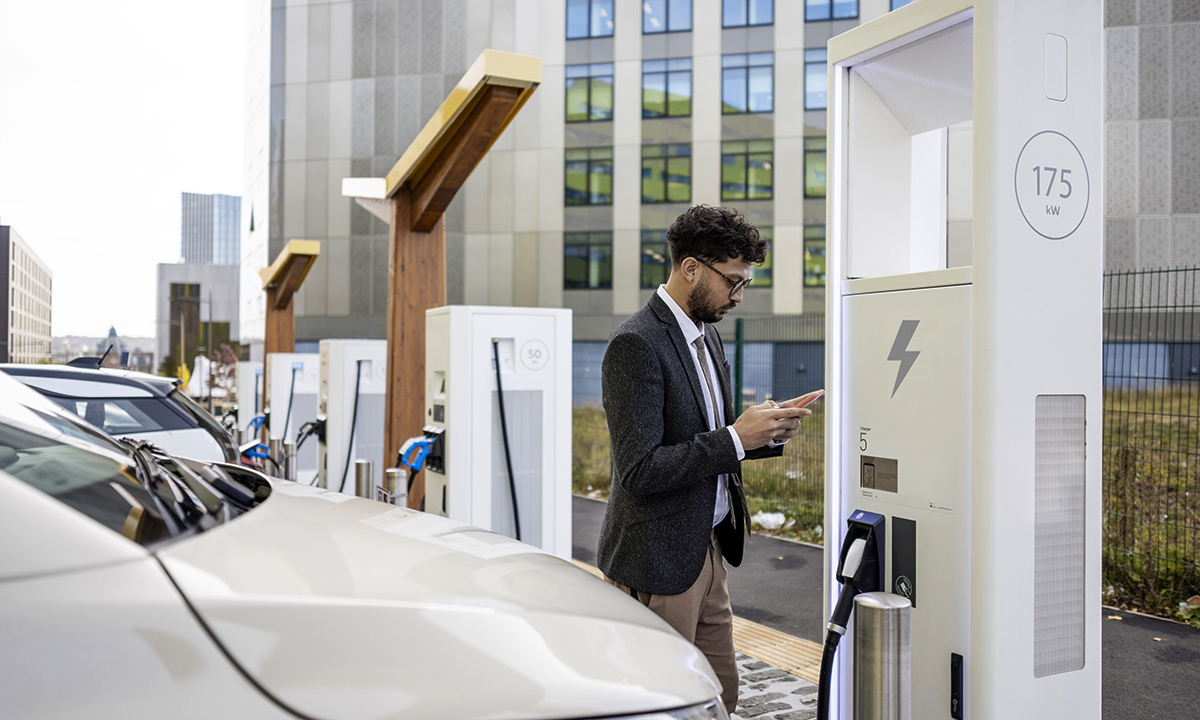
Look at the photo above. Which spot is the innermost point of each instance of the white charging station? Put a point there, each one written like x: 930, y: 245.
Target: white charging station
x: 250, y: 391
x: 292, y: 379
x: 352, y: 393
x: 461, y: 401
x: 964, y: 344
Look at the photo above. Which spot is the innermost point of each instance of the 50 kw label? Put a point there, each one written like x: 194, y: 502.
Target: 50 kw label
x: 1052, y: 185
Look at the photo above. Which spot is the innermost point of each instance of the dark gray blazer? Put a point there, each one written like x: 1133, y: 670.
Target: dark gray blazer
x: 665, y: 460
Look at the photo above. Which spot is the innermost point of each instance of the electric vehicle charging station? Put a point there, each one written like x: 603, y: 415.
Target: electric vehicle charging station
x: 470, y: 481
x: 352, y: 393
x: 963, y: 347
x: 292, y: 380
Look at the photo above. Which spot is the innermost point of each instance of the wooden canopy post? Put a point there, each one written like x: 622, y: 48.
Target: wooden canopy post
x: 281, y: 281
x: 412, y: 200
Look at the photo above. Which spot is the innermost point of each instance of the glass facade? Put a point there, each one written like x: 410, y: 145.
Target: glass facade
x: 830, y: 9
x: 589, y: 92
x: 589, y: 176
x: 660, y: 16
x: 656, y: 259
x: 816, y: 79
x: 814, y: 256
x: 739, y: 13
x: 747, y: 170
x: 211, y: 229
x: 587, y: 260
x: 589, y: 18
x: 748, y: 83
x: 667, y: 88
x: 814, y: 167
x: 667, y: 173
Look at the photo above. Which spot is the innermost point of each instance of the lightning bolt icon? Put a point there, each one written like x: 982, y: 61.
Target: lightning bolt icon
x: 901, y: 353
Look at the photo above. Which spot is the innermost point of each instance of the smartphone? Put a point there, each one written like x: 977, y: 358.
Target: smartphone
x: 809, y: 399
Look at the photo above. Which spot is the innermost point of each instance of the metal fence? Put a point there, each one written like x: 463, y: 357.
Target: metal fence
x: 1152, y: 437
x: 778, y: 358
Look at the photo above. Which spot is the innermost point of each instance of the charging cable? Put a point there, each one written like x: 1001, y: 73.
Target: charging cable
x: 512, y: 485
x: 353, y: 422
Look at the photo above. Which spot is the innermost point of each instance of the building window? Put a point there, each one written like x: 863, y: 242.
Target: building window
x: 589, y: 92
x: 656, y: 258
x: 900, y: 3
x: 589, y: 18
x: 763, y: 275
x: 739, y: 13
x: 816, y: 79
x: 814, y: 167
x: 666, y: 16
x: 667, y: 88
x: 587, y: 260
x: 814, y: 255
x: 830, y: 9
x: 667, y: 173
x: 589, y: 176
x: 748, y: 83
x: 746, y: 170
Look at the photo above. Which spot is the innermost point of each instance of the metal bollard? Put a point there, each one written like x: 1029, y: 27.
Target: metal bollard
x: 395, y: 487
x: 882, y: 664
x: 289, y: 461
x: 237, y: 436
x: 364, y: 478
x: 275, y: 450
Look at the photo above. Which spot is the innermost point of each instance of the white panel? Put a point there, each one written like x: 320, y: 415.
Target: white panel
x: 879, y: 175
x: 927, y: 84
x: 525, y: 190
x: 500, y: 268
x: 927, y: 202
x: 1059, y: 524
x: 476, y: 274
x: 500, y: 172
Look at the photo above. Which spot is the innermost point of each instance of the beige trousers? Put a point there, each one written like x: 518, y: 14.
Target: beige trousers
x: 703, y: 616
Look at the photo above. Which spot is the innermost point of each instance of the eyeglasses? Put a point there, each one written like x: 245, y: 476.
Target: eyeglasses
x: 737, y: 284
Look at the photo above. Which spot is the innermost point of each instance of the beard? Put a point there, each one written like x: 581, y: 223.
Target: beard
x: 707, y: 305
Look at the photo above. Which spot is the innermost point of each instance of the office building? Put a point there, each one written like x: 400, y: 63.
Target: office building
x: 645, y: 108
x: 27, y: 285
x: 211, y: 229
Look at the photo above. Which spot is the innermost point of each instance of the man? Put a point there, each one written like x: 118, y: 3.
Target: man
x: 676, y: 506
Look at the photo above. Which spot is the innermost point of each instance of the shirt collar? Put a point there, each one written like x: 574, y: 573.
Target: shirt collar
x: 689, y: 328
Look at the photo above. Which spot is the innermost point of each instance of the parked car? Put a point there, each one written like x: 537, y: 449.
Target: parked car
x: 135, y: 584
x: 123, y: 403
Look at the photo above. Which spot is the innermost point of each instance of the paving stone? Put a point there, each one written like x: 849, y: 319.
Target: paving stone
x: 772, y: 674
x: 759, y: 699
x: 755, y: 665
x: 806, y: 689
x: 763, y: 709
x: 796, y: 715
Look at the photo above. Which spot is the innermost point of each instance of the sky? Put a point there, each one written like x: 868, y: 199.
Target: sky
x: 109, y: 110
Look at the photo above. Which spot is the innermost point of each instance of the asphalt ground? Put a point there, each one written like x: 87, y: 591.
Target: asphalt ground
x: 1151, y: 666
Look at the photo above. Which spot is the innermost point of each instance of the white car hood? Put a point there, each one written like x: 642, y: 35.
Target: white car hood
x: 344, y: 608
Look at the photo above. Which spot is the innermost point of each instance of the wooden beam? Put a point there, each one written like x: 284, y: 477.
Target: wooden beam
x: 435, y: 189
x: 416, y: 282
x: 281, y: 281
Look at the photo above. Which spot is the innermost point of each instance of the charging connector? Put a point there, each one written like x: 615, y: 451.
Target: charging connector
x: 860, y: 569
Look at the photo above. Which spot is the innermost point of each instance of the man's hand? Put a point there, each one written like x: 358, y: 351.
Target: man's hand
x: 760, y: 424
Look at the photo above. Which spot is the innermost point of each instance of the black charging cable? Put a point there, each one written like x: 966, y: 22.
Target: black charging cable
x: 512, y: 484
x: 353, y: 422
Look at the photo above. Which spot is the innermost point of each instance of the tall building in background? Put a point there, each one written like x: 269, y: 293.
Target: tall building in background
x: 203, y: 287
x: 646, y: 107
x: 211, y: 229
x: 25, y: 292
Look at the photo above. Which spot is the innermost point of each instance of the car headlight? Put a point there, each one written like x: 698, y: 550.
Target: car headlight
x: 711, y: 710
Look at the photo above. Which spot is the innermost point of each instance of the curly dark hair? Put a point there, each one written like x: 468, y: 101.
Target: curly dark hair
x: 714, y: 234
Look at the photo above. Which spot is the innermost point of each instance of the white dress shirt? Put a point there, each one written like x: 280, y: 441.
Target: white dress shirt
x: 691, y: 331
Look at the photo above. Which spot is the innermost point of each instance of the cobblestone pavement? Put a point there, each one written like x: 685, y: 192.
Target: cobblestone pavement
x: 768, y: 693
